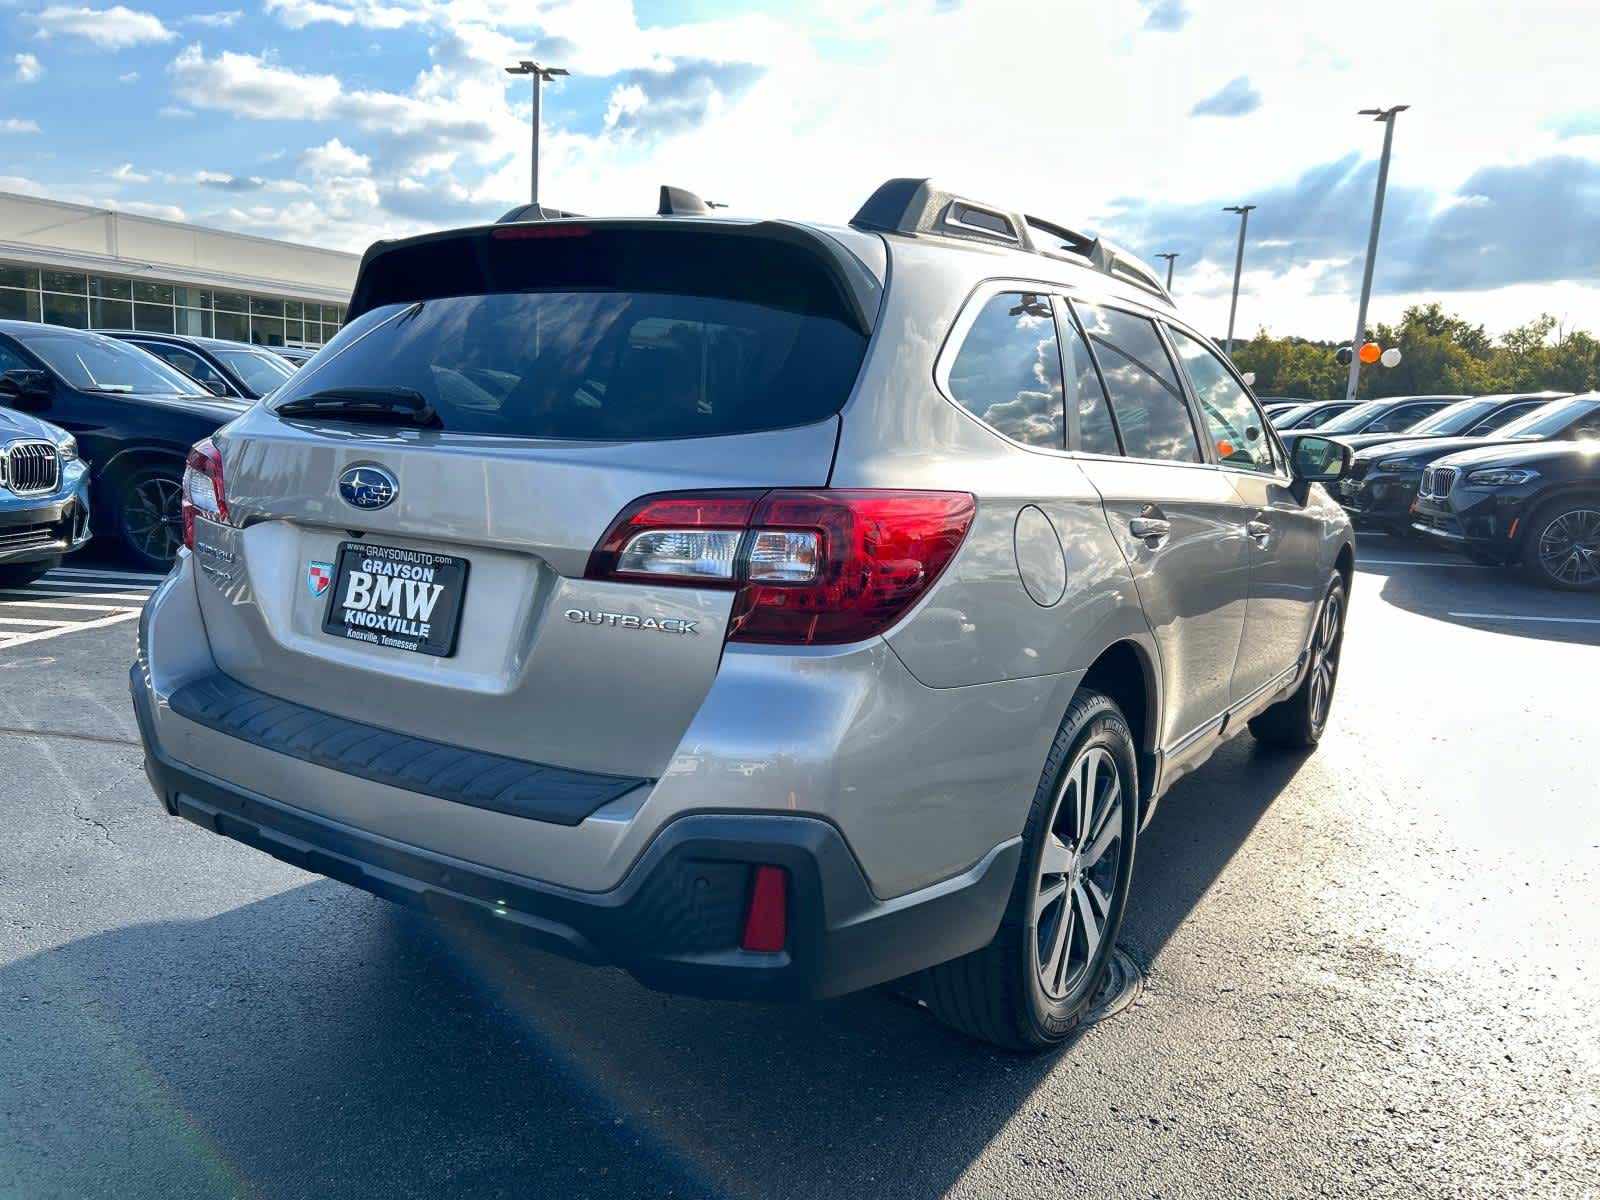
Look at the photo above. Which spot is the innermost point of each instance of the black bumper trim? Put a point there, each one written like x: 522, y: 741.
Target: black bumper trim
x: 489, y: 781
x: 673, y: 922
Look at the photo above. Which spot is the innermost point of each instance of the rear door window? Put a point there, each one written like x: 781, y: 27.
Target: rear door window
x: 1146, y: 397
x: 1008, y: 370
x: 1096, y: 431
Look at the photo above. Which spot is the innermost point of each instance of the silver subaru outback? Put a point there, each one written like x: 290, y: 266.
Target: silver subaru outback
x: 772, y: 610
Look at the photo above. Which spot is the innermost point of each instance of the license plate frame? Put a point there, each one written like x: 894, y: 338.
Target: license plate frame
x: 395, y: 591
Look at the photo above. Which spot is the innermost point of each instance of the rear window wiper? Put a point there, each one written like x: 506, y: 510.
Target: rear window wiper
x: 379, y: 405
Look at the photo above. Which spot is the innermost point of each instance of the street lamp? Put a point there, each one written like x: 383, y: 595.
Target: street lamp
x: 1386, y: 116
x: 1169, y: 258
x: 541, y: 76
x: 1238, y: 266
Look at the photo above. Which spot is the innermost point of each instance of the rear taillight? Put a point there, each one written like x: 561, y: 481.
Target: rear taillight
x: 819, y: 567
x: 203, y: 493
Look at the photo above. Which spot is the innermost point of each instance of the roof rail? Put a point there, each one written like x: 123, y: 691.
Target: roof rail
x: 916, y: 206
x: 534, y: 212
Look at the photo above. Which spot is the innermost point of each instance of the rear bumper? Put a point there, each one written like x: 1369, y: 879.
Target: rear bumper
x: 675, y: 918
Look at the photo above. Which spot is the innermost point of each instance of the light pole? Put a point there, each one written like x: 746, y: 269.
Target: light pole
x: 541, y: 76
x: 1170, y: 258
x: 1238, y: 267
x: 1386, y: 116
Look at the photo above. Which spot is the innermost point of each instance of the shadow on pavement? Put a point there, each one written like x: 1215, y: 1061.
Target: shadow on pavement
x: 321, y: 1043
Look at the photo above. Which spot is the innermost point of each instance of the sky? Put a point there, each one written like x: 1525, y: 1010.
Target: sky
x: 337, y: 122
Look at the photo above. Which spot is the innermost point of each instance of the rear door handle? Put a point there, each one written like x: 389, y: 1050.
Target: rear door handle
x: 1149, y: 528
x: 1259, y: 531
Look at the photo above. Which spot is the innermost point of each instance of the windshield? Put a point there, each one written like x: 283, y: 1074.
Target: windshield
x: 92, y: 363
x: 260, y: 372
x: 1550, y: 419
x: 1352, y: 420
x: 1455, y: 417
x: 605, y: 365
x: 1284, y: 416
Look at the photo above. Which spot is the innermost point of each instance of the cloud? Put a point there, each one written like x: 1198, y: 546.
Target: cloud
x: 18, y: 125
x: 1236, y: 99
x: 297, y: 14
x: 113, y: 28
x: 127, y: 174
x: 1165, y: 16
x: 1573, y: 125
x: 223, y: 182
x: 128, y: 77
x: 647, y: 105
x: 436, y: 127
x: 174, y: 111
x: 334, y: 158
x: 215, y: 20
x: 28, y: 68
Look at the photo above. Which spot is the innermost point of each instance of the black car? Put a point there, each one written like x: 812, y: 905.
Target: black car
x: 1312, y: 414
x: 1477, y: 417
x: 296, y: 356
x: 1537, y: 504
x: 236, y: 370
x: 133, y: 416
x: 1383, y: 479
x: 1394, y: 414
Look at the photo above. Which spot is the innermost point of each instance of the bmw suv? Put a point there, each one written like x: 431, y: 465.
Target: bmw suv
x: 772, y: 610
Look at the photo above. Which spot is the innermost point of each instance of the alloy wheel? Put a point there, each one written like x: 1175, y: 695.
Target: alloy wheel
x: 1325, y: 658
x: 152, y: 516
x: 1078, y: 871
x: 1569, y: 547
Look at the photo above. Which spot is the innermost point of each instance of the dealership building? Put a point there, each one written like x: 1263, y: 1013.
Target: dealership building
x: 94, y: 268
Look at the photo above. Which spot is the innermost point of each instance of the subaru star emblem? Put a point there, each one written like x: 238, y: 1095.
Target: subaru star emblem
x: 367, y: 487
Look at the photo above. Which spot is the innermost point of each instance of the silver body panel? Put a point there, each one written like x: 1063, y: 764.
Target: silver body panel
x: 922, y: 746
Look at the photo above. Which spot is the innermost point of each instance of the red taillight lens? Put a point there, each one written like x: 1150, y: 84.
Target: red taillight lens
x: 819, y: 567
x: 766, y: 919
x: 538, y: 233
x: 203, y: 492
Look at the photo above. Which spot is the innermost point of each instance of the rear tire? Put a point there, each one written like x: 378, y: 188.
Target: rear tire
x: 1561, y: 546
x: 1299, y: 721
x: 1031, y: 986
x: 14, y: 575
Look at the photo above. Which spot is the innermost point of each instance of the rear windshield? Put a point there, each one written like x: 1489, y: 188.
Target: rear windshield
x: 605, y: 362
x: 1353, y: 419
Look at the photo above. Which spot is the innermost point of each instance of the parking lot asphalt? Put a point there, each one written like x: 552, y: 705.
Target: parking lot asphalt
x: 1370, y: 971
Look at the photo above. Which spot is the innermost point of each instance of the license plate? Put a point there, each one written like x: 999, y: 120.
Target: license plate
x: 403, y: 599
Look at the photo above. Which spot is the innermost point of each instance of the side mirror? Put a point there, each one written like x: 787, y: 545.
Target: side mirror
x: 25, y: 389
x: 1316, y: 459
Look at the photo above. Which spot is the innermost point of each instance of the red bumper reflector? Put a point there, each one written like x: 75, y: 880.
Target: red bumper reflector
x: 766, y: 921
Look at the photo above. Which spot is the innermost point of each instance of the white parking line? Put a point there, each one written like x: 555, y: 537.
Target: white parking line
x: 44, y: 635
x: 82, y: 573
x: 80, y: 585
x: 43, y: 596
x: 24, y: 621
x: 1405, y: 562
x: 7, y: 603
x: 1519, y: 617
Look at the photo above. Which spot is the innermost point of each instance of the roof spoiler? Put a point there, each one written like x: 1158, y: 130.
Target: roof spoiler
x: 535, y: 212
x: 916, y: 207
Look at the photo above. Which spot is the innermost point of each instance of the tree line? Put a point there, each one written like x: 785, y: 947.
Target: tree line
x: 1442, y: 354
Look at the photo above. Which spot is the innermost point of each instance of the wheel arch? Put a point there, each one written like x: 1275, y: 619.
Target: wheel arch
x: 1345, y: 564
x: 110, y: 473
x: 1126, y: 672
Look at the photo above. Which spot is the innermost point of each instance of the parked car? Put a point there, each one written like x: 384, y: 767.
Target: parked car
x: 235, y: 370
x: 1272, y: 405
x: 758, y: 627
x: 1477, y: 417
x: 134, y: 419
x: 1534, y: 504
x: 1311, y: 415
x: 1383, y: 479
x: 1392, y: 415
x: 44, y: 497
x: 295, y: 356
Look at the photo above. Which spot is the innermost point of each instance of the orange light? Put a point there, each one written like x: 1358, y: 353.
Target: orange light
x: 1515, y: 521
x: 1371, y: 352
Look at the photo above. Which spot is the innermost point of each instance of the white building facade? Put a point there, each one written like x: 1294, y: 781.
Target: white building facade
x: 94, y: 268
